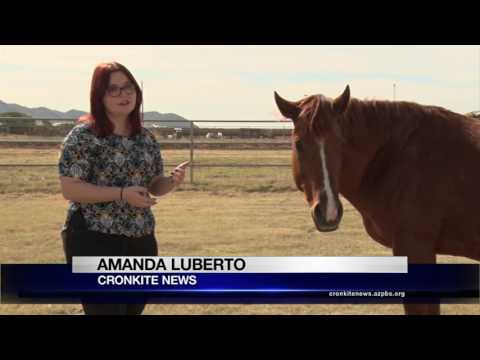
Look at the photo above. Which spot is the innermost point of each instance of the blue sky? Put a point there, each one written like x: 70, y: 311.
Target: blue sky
x: 237, y: 82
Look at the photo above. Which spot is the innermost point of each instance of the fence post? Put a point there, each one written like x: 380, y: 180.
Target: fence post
x: 191, y: 152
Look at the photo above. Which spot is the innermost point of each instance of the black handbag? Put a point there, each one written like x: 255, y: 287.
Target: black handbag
x: 76, y: 227
x: 77, y: 221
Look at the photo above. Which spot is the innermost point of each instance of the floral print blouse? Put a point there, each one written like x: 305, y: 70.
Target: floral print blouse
x: 112, y: 161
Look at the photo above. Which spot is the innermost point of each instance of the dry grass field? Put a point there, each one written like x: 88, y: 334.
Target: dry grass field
x: 256, y: 212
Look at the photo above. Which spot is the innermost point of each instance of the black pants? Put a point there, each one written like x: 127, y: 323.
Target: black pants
x: 78, y: 241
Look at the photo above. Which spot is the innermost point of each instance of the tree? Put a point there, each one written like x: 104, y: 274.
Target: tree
x: 17, y: 123
x: 14, y: 114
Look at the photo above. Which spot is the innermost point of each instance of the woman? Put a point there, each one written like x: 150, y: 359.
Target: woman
x: 108, y: 167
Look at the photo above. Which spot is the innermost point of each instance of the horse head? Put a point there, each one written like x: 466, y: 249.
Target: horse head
x: 317, y: 153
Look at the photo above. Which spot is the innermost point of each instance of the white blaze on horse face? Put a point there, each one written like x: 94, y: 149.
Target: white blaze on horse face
x: 332, y: 211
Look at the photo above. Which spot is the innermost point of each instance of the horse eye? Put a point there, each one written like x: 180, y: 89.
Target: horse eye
x: 299, y: 146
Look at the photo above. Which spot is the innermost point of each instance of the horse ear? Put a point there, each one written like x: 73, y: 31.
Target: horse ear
x: 340, y: 104
x: 287, y: 108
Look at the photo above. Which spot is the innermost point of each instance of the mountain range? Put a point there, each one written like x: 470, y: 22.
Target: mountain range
x: 46, y: 113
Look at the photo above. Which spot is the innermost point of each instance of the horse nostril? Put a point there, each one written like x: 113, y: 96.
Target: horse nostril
x: 317, y: 212
x: 320, y: 221
x: 324, y: 214
x: 340, y: 210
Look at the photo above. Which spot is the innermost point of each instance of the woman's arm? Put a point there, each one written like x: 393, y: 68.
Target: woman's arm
x: 80, y: 191
x: 161, y: 185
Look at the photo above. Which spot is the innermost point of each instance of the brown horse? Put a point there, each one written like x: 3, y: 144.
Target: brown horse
x: 411, y: 171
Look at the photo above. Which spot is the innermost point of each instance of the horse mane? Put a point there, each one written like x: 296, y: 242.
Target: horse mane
x: 399, y: 120
x: 395, y: 121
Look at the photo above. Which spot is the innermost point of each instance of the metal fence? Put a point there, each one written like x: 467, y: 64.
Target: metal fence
x: 172, y: 134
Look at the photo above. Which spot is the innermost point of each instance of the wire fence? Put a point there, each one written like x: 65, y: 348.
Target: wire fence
x: 252, y: 146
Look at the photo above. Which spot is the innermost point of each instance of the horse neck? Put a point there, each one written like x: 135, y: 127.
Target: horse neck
x: 366, y: 132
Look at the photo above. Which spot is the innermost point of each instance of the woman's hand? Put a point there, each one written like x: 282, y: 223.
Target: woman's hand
x: 178, y: 174
x: 138, y: 196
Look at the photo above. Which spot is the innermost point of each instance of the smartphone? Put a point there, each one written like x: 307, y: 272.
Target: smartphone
x: 184, y: 164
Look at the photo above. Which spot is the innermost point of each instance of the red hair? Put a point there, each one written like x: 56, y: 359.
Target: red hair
x: 101, y: 124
